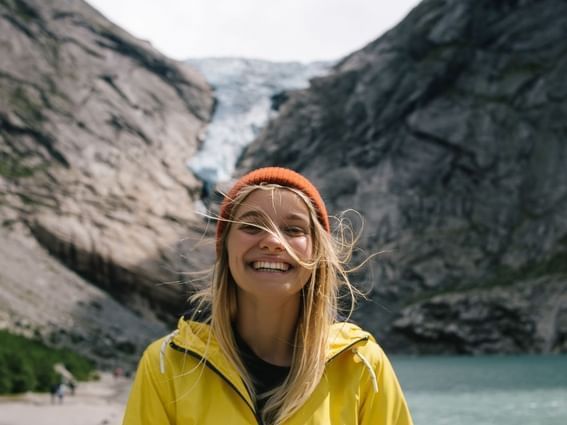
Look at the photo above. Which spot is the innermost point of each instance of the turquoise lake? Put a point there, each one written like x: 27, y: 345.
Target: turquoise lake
x: 488, y: 390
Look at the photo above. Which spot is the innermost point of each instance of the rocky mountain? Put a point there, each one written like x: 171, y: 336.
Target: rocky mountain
x: 95, y: 129
x: 448, y: 135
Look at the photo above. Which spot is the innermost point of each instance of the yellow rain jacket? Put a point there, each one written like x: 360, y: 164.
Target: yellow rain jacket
x: 184, y: 379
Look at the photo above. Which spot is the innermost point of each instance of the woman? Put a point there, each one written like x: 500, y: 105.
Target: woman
x: 264, y: 346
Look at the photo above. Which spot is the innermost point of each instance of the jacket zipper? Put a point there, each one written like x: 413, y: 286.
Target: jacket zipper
x: 219, y: 373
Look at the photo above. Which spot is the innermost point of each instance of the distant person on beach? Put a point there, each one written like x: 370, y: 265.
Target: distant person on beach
x: 53, y: 391
x: 60, y: 392
x: 118, y: 372
x: 264, y: 344
x: 72, y: 386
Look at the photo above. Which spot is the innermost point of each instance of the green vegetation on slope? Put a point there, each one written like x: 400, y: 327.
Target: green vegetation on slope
x: 27, y: 365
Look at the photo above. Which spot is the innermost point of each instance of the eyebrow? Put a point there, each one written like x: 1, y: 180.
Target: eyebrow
x: 257, y: 214
x: 250, y: 214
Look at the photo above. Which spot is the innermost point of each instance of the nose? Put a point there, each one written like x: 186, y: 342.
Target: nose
x: 271, y: 242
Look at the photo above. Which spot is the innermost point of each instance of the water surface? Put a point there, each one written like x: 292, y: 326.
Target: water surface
x: 488, y: 390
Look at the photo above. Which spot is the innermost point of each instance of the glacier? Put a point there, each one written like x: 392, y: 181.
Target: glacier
x: 243, y: 89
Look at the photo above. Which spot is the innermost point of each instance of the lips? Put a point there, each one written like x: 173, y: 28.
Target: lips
x: 270, y: 266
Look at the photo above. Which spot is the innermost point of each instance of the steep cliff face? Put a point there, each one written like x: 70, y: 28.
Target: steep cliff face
x: 39, y: 297
x: 448, y: 135
x: 95, y: 130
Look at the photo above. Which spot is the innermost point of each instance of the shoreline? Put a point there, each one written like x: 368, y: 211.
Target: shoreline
x: 99, y: 402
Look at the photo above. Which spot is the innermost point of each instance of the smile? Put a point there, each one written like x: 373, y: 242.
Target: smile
x: 270, y: 266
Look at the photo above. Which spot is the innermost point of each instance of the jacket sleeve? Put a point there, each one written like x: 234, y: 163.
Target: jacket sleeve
x: 387, y: 406
x: 151, y: 400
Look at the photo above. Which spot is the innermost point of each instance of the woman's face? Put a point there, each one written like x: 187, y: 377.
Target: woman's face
x: 258, y: 260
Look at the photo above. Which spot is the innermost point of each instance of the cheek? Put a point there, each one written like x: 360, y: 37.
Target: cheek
x: 237, y: 245
x: 302, y: 246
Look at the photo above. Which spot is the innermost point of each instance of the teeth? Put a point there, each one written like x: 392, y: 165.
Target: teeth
x: 269, y: 266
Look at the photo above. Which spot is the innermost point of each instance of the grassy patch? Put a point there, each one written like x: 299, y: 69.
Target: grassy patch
x: 20, y: 9
x: 28, y: 109
x: 27, y: 365
x: 14, y: 169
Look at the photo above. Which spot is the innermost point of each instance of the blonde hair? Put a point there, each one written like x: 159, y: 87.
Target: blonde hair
x: 318, y: 311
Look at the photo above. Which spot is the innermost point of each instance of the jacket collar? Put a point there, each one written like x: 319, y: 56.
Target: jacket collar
x: 197, y: 338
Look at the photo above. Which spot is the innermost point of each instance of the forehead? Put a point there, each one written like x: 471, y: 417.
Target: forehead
x: 275, y: 202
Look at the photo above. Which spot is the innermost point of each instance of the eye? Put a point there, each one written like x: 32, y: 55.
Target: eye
x: 294, y: 231
x: 249, y: 228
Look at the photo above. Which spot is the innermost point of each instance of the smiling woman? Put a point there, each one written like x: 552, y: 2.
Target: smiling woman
x: 270, y: 349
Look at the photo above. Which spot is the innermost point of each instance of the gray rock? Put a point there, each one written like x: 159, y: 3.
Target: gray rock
x: 95, y: 130
x: 525, y: 317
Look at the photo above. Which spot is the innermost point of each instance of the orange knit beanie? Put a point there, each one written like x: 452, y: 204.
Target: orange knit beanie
x: 274, y: 175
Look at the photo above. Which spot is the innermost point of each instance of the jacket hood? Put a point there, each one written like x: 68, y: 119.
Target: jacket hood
x: 344, y: 335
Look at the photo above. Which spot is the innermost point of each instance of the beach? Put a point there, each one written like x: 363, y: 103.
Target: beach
x: 94, y: 403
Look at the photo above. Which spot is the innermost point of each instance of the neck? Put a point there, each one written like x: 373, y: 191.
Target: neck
x: 268, y: 326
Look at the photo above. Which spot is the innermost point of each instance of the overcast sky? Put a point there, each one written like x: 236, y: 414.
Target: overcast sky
x: 278, y: 30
